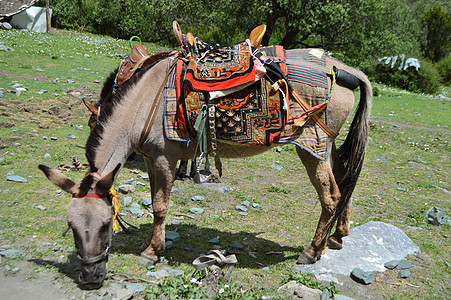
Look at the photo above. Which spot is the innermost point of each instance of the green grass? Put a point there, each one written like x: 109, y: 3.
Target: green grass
x: 409, y: 149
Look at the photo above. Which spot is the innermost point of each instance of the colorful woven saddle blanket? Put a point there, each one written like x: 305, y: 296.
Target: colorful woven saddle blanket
x: 215, y: 68
x: 256, y: 113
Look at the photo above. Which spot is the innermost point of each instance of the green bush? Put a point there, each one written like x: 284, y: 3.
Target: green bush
x: 72, y: 14
x: 425, y: 80
x: 443, y: 67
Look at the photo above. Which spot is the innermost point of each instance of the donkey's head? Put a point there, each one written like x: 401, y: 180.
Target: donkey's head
x: 90, y: 216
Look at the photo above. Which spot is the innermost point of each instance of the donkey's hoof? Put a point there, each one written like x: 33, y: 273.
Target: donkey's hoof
x: 146, y: 261
x: 305, y: 260
x: 332, y: 243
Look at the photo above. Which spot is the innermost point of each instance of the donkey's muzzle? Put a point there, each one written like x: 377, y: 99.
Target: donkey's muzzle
x: 92, y: 276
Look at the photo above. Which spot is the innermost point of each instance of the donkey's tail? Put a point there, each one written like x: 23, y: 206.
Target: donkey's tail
x: 352, y: 152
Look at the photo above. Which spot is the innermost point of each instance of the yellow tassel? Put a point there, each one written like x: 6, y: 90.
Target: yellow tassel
x: 115, y: 206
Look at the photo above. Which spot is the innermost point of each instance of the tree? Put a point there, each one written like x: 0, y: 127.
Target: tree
x: 438, y: 40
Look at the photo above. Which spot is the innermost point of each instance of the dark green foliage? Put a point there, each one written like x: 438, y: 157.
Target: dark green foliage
x: 425, y: 80
x: 444, y: 69
x: 438, y: 25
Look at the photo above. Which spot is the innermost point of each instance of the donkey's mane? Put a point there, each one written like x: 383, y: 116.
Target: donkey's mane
x: 110, y: 101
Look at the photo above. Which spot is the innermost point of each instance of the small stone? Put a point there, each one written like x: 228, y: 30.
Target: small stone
x: 279, y: 149
x: 11, y: 253
x: 243, y: 213
x: 135, y: 209
x: 47, y: 156
x: 45, y: 138
x: 255, y: 205
x: 325, y: 295
x: 237, y: 246
x: 404, y: 264
x: 382, y: 158
x: 391, y: 264
x: 436, y: 216
x: 58, y: 192
x: 137, y: 287
x: 361, y: 276
x: 42, y: 92
x: 277, y: 167
x: 168, y: 245
x: 16, y: 178
x: 198, y: 198
x: 246, y: 203
x: 214, y: 241
x: 143, y: 176
x: 147, y: 201
x: 127, y: 201
x: 197, y: 211
x: 218, y: 187
x: 401, y: 189
x: 71, y: 136
x: 40, y: 207
x: 126, y: 188
x: 240, y: 207
x: 124, y: 294
x: 176, y: 222
x: 213, y: 216
x: 172, y: 236
x: 78, y: 127
x: 404, y: 273
x: 53, y: 138
x: 342, y: 297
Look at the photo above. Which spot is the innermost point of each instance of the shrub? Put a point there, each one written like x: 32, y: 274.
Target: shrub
x: 425, y: 80
x: 444, y: 69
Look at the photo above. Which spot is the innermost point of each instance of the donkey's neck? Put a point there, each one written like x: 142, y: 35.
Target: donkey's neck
x: 121, y: 130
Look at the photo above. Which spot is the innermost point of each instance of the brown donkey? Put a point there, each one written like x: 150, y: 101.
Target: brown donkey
x: 119, y: 132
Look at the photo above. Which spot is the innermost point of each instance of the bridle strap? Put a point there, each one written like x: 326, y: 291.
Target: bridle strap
x: 89, y: 195
x: 95, y: 259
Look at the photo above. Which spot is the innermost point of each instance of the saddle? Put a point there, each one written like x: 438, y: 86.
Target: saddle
x: 131, y: 63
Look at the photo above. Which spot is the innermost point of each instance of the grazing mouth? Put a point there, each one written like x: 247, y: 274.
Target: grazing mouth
x: 91, y: 283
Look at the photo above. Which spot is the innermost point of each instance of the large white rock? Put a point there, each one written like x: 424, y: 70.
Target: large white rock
x: 368, y: 247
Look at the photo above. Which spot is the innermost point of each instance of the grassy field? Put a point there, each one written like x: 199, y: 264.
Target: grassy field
x: 407, y: 170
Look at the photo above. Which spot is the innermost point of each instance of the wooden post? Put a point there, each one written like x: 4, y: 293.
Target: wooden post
x: 47, y: 15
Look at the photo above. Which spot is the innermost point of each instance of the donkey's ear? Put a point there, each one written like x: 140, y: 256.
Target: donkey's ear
x: 58, y: 179
x: 104, y: 184
x: 91, y: 108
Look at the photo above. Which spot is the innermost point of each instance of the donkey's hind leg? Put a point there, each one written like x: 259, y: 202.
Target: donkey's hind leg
x: 322, y: 178
x: 161, y: 177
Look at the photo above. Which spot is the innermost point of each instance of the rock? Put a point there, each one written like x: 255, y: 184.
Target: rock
x: 6, y: 48
x: 168, y: 245
x: 53, y: 138
x: 42, y: 92
x: 197, y: 211
x: 2, y: 94
x: 277, y: 167
x: 382, y: 159
x: 367, y: 247
x: 342, y: 297
x: 144, y: 176
x: 165, y: 272
x: 246, y: 203
x: 240, y: 207
x: 137, y: 287
x: 404, y: 274
x: 361, y: 276
x: 127, y: 201
x: 279, y: 149
x: 40, y: 207
x: 172, y: 236
x: 124, y: 294
x: 214, y: 241
x: 404, y: 264
x: 218, y: 187
x: 255, y: 205
x: 126, y: 188
x: 11, y: 253
x: 15, y: 178
x: 71, y: 136
x: 7, y: 26
x: 401, y: 189
x: 136, y: 210
x: 301, y: 291
x: 147, y: 201
x: 325, y: 295
x: 176, y: 222
x: 47, y: 156
x: 243, y: 213
x: 198, y: 198
x: 237, y: 246
x: 436, y: 216
x: 391, y: 264
x: 213, y: 216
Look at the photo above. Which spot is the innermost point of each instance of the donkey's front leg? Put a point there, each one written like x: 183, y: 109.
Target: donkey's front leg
x: 161, y: 177
x: 322, y: 178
